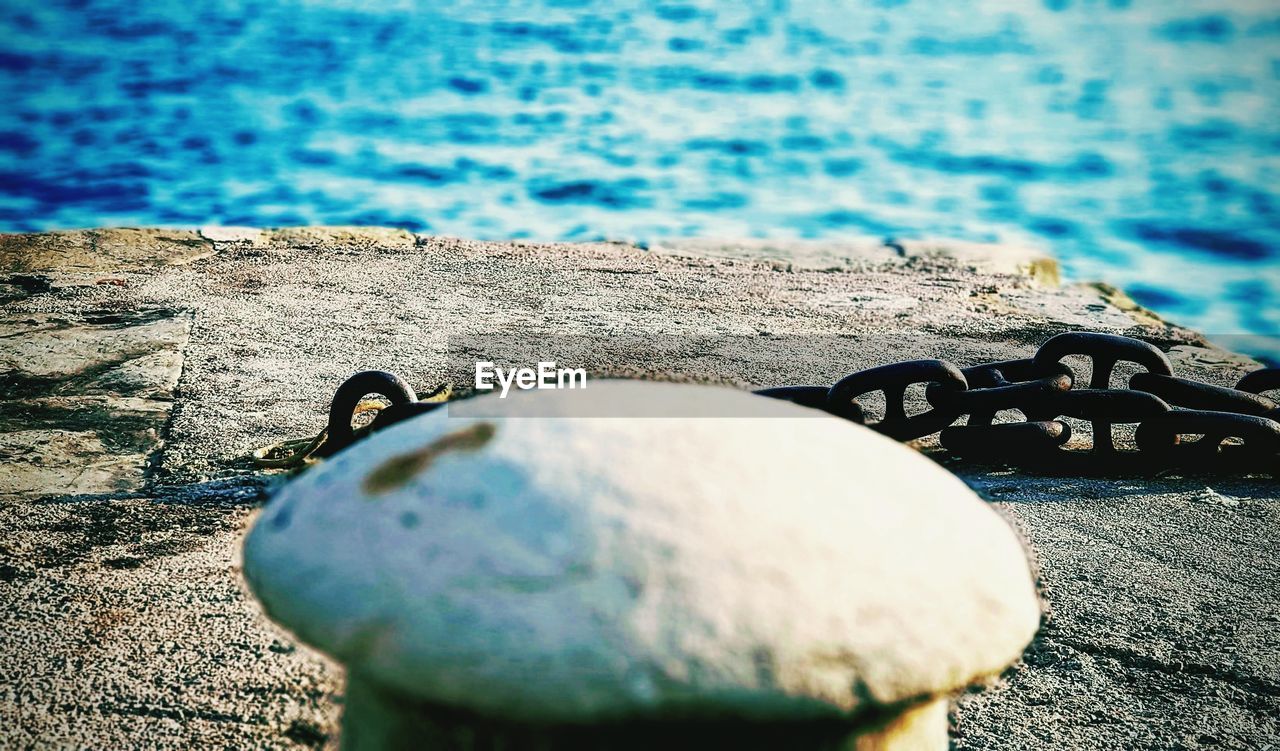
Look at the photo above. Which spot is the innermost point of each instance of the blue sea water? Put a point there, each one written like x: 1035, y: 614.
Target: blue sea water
x: 1137, y: 140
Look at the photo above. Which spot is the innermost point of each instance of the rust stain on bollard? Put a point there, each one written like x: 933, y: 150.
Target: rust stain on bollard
x: 398, y: 470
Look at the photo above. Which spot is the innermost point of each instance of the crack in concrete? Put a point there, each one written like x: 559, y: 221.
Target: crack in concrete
x: 1133, y: 658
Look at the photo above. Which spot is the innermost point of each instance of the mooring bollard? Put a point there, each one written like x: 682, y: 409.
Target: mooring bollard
x: 782, y: 579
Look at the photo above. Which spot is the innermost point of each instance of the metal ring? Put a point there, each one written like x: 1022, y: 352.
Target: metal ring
x: 384, y: 384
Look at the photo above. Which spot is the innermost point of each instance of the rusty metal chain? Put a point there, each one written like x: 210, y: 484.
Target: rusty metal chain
x: 1234, y: 429
x: 1179, y: 423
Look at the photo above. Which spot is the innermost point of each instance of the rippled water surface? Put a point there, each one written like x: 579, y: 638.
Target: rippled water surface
x: 1136, y: 140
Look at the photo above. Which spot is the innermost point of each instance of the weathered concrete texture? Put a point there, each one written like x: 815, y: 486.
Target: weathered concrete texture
x: 99, y: 250
x: 86, y: 398
x: 1163, y: 630
x: 865, y: 254
x: 126, y: 626
x: 1163, y: 594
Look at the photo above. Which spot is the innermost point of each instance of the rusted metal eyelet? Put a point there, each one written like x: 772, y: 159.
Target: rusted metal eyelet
x: 388, y: 385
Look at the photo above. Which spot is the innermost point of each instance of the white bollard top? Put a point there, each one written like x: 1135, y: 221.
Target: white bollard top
x: 784, y: 565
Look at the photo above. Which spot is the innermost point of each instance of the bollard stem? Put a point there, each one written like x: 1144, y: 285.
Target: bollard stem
x: 376, y: 719
x: 922, y: 727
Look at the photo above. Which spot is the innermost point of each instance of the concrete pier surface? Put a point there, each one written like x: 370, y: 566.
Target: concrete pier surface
x: 141, y: 367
